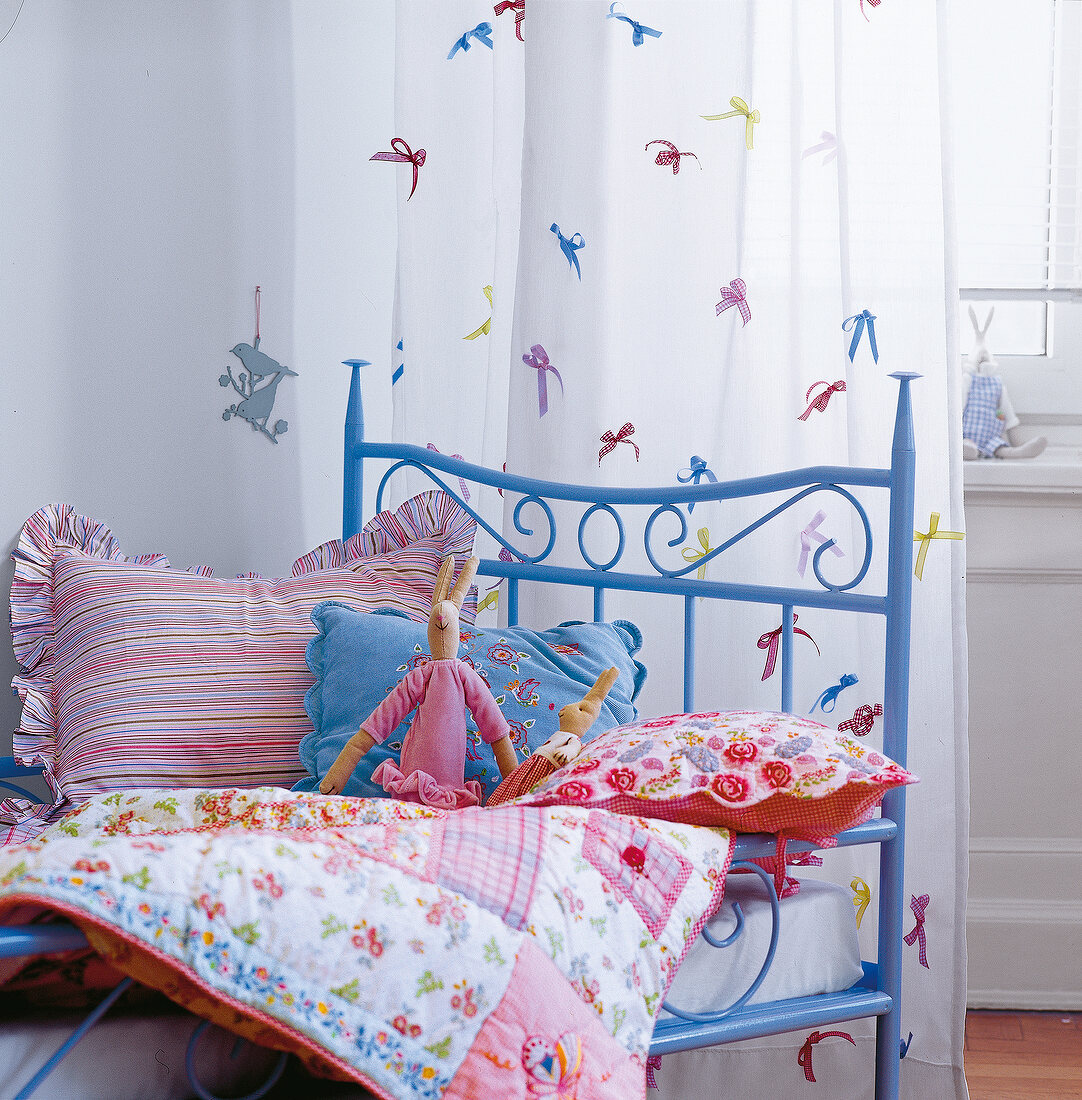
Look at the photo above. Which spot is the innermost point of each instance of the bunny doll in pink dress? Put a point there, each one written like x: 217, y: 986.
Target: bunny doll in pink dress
x: 433, y: 758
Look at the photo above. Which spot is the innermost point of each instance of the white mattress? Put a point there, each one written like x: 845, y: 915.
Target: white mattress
x: 817, y: 950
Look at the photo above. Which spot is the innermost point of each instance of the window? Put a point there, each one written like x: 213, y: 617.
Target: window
x: 1017, y: 88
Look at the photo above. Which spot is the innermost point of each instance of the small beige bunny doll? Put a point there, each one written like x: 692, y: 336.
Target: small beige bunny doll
x: 433, y: 758
x: 562, y: 747
x: 989, y: 424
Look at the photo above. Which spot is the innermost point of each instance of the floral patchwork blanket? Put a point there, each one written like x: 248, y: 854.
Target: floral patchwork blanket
x: 517, y: 951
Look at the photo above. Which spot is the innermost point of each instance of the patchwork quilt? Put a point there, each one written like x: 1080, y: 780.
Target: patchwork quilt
x: 520, y: 951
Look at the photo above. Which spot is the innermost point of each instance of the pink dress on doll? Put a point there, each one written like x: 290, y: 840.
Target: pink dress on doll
x: 434, y: 749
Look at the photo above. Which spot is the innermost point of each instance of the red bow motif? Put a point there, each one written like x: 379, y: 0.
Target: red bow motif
x: 653, y: 1062
x: 733, y: 295
x: 862, y: 721
x: 804, y: 1058
x: 872, y: 4
x: 671, y: 155
x: 609, y: 441
x: 919, y: 907
x: 519, y: 8
x: 821, y: 401
x: 769, y: 642
x: 403, y: 154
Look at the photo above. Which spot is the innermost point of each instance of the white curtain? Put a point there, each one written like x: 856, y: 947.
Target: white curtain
x: 824, y: 193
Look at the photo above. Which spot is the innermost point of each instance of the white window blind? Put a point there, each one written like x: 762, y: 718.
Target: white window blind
x: 1017, y: 78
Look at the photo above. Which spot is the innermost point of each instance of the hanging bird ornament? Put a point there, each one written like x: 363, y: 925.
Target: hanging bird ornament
x: 257, y: 385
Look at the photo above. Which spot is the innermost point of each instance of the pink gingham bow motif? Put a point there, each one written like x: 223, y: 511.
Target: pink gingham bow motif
x: 519, y: 8
x: 609, y: 441
x: 461, y: 481
x: 919, y: 907
x: 871, y: 4
x: 402, y: 154
x: 538, y: 359
x: 807, y: 535
x: 804, y: 1058
x: 670, y: 155
x: 653, y: 1063
x: 823, y: 398
x: 770, y: 640
x: 734, y: 295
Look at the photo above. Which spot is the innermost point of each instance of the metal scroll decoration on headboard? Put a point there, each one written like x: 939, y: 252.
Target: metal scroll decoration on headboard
x: 257, y: 385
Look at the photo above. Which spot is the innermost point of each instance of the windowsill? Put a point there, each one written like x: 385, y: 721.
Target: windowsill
x: 1057, y: 471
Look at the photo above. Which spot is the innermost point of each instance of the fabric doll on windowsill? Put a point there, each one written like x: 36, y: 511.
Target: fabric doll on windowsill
x: 433, y: 758
x: 989, y: 424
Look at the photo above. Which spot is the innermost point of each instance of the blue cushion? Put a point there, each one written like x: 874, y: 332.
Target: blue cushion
x: 358, y: 657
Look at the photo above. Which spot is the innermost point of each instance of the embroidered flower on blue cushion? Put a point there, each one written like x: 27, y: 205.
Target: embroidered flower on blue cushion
x: 793, y: 747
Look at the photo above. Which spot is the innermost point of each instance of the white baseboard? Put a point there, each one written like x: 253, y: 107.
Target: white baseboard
x: 1024, y: 1000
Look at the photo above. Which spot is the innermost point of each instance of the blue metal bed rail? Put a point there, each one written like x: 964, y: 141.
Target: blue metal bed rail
x: 879, y: 994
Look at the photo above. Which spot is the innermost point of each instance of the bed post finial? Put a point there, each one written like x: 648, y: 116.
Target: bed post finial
x: 352, y: 474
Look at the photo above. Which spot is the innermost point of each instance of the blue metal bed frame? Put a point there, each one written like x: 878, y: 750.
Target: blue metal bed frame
x: 878, y: 993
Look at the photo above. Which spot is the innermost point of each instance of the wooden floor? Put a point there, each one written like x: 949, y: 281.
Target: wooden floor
x: 1023, y: 1055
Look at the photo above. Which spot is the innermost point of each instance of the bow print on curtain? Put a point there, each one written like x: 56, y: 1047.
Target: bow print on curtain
x: 545, y: 133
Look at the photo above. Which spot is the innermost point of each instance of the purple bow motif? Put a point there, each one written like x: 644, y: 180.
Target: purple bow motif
x: 810, y: 532
x: 538, y: 359
x: 733, y: 295
x: 919, y: 907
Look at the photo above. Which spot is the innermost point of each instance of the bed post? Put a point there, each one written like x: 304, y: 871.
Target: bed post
x: 352, y: 473
x: 895, y: 731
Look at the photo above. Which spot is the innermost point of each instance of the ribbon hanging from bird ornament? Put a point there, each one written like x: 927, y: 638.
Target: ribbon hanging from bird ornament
x: 257, y: 385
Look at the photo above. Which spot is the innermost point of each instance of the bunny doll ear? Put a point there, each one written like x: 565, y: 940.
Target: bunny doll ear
x: 465, y: 579
x: 973, y: 319
x: 603, y: 684
x: 443, y: 580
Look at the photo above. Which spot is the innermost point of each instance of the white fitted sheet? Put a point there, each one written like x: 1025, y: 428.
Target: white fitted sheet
x: 817, y: 950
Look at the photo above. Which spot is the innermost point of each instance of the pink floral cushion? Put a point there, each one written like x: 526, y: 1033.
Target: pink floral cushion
x: 750, y: 771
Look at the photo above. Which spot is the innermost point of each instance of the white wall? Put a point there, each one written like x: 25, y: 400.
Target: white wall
x: 157, y: 162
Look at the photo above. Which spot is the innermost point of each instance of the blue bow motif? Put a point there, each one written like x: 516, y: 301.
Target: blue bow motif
x: 569, y: 246
x: 482, y: 32
x: 637, y: 29
x: 694, y: 473
x: 831, y: 694
x: 857, y: 324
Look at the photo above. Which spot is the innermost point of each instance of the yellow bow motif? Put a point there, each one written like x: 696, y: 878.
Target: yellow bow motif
x: 741, y: 109
x: 487, y: 326
x: 491, y: 600
x: 690, y: 554
x: 925, y: 538
x: 862, y: 896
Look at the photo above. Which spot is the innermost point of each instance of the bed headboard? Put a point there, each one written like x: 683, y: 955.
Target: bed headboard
x: 521, y: 493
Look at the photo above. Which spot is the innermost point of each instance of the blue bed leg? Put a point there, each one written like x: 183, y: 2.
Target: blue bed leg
x: 31, y: 1085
